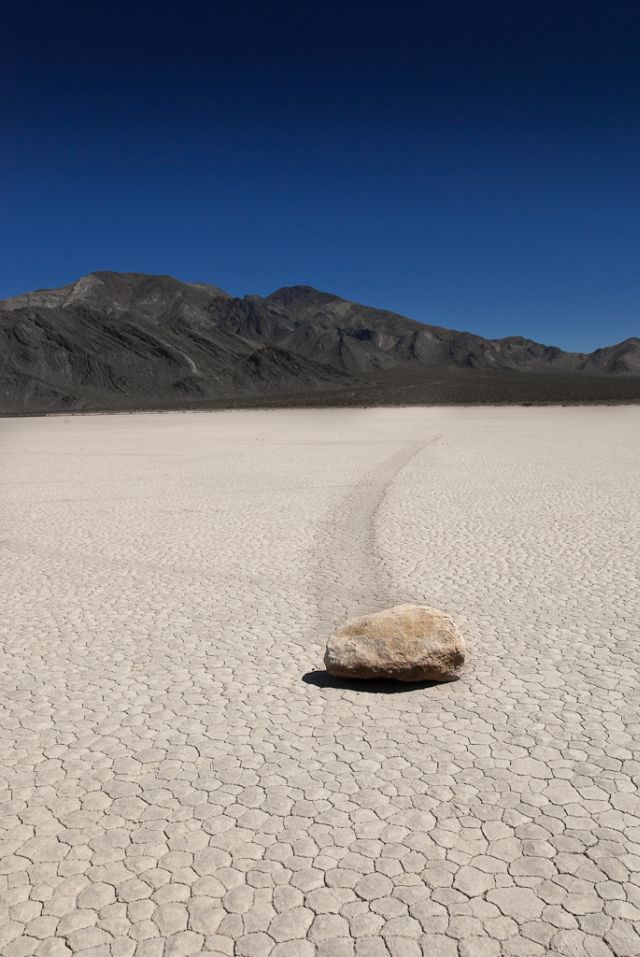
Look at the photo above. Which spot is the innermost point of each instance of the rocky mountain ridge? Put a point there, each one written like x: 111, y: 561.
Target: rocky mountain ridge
x: 129, y: 340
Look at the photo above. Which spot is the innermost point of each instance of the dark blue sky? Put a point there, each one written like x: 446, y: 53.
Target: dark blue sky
x: 471, y: 164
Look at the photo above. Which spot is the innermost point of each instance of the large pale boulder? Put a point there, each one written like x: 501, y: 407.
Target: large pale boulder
x: 407, y: 642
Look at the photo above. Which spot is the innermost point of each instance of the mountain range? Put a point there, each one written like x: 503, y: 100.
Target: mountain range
x: 128, y: 340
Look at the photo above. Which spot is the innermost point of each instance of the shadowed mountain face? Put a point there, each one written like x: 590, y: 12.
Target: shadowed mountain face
x: 126, y: 340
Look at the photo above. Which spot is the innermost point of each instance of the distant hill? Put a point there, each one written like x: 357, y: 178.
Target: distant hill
x: 128, y: 340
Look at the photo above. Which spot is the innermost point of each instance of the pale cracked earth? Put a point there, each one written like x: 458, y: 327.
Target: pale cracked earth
x: 178, y: 776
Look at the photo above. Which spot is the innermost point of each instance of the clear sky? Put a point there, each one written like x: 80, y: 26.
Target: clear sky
x: 471, y: 164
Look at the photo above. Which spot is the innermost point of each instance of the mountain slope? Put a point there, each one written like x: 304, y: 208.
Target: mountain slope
x: 360, y: 339
x: 119, y: 340
x: 623, y: 358
x: 123, y: 340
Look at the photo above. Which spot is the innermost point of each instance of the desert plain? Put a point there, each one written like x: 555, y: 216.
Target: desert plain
x: 179, y: 776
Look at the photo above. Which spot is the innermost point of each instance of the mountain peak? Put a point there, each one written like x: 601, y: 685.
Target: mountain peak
x: 115, y: 289
x: 288, y: 295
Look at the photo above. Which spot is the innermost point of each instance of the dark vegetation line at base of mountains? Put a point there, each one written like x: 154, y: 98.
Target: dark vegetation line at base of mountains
x: 123, y: 341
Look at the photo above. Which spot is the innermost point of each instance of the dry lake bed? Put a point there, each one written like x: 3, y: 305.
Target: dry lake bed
x: 177, y: 774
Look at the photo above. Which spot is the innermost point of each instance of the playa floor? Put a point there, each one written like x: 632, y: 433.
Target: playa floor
x: 177, y: 774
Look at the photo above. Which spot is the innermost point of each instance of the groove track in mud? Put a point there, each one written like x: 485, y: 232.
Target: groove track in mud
x: 347, y: 578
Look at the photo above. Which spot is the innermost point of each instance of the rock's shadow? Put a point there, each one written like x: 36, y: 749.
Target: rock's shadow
x: 322, y: 679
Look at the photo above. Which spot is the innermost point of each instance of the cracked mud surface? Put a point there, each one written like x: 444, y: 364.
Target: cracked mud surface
x: 175, y: 776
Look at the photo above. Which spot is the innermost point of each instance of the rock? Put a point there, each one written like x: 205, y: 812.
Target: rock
x: 407, y: 642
